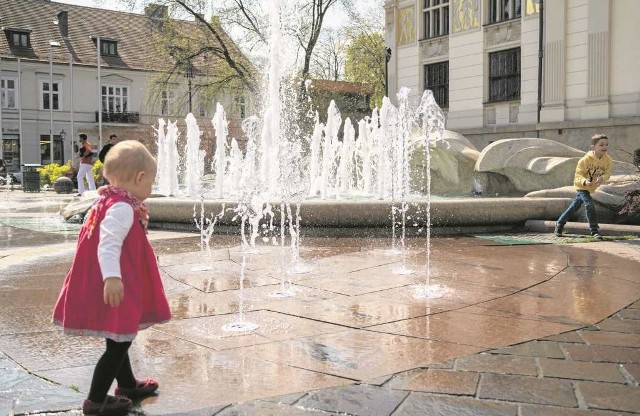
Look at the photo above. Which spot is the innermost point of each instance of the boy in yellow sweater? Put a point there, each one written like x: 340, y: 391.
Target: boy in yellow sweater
x: 592, y: 171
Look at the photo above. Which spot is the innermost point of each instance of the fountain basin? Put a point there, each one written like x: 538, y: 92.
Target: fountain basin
x: 449, y: 214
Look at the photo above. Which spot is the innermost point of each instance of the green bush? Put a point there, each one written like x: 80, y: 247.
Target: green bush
x: 49, y: 173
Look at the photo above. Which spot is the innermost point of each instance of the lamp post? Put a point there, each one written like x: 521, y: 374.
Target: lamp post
x: 188, y: 72
x: 540, y: 60
x: 63, y: 135
x: 387, y: 58
x: 52, y: 44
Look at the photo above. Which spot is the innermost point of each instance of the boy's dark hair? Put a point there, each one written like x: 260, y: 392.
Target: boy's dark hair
x: 83, y: 136
x: 112, y: 135
x: 597, y: 137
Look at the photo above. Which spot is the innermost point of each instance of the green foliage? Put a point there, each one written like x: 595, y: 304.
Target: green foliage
x: 49, y: 173
x: 365, y: 63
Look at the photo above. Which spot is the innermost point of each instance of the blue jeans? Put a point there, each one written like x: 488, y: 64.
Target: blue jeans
x: 583, y: 197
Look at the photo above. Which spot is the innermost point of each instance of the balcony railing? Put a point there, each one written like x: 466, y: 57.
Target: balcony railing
x: 108, y: 117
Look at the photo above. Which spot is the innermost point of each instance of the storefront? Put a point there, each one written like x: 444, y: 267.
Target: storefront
x: 11, y: 152
x: 45, y: 150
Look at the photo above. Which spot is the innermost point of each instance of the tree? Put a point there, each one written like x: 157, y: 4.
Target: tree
x: 366, y: 63
x: 365, y: 60
x: 304, y: 20
x: 329, y: 59
x: 208, y: 45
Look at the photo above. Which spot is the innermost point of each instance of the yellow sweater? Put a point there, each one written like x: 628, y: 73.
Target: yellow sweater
x: 589, y: 168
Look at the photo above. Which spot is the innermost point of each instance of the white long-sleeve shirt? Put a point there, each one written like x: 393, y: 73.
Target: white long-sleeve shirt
x: 113, y: 230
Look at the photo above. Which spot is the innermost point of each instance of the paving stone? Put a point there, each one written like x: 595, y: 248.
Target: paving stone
x: 634, y: 370
x: 446, y: 364
x: 527, y: 390
x: 436, y: 381
x: 609, y: 396
x: 602, y: 353
x: 354, y: 399
x: 261, y: 408
x: 533, y: 349
x: 286, y: 399
x: 580, y: 370
x: 439, y: 405
x: 635, y: 305
x: 620, y: 325
x: 531, y: 410
x: 629, y: 314
x: 615, y: 339
x: 571, y: 336
x: 496, y: 363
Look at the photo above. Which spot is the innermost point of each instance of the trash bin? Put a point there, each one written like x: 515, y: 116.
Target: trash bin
x: 30, y: 178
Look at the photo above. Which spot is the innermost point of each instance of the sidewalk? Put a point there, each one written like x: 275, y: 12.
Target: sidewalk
x: 534, y: 329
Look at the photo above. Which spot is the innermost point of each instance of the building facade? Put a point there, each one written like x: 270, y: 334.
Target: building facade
x: 501, y: 69
x: 52, y: 88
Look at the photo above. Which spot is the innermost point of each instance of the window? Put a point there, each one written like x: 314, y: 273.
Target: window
x: 8, y: 93
x: 504, y: 75
x: 52, y: 94
x: 166, y: 102
x: 18, y: 39
x: 501, y: 10
x: 108, y: 48
x: 436, y: 79
x: 435, y: 16
x: 115, y: 99
x: 202, y: 109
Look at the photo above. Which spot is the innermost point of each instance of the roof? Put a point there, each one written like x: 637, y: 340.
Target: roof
x: 138, y: 37
x: 343, y: 87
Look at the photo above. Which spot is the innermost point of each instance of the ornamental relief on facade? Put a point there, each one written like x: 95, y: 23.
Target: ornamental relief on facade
x: 434, y: 48
x: 502, y: 33
x: 406, y: 26
x: 465, y: 15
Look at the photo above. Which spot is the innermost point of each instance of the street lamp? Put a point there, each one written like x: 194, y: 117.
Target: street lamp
x: 188, y: 72
x: 52, y: 44
x: 387, y: 58
x: 62, y: 135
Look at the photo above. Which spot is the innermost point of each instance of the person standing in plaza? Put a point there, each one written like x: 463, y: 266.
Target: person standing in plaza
x: 85, y: 153
x: 113, y: 288
x: 593, y: 169
x: 105, y: 149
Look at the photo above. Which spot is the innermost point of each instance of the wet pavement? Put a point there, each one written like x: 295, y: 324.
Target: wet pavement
x: 527, y: 324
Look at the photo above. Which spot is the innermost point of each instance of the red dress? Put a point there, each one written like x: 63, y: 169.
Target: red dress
x: 81, y: 310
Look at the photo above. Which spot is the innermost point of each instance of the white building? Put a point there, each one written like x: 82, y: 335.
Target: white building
x: 51, y: 86
x: 481, y: 60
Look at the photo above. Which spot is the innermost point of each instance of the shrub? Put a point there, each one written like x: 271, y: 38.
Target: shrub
x: 49, y: 173
x: 96, y: 171
x: 630, y: 206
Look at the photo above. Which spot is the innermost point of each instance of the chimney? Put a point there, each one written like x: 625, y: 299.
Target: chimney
x: 63, y: 23
x: 156, y: 11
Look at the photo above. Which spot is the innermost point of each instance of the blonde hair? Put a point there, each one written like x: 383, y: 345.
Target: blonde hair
x: 126, y: 159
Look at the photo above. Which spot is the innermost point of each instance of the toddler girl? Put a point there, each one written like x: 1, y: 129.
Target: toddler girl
x: 113, y: 288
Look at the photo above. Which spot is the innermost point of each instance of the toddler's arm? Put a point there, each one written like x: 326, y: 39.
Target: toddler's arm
x: 113, y: 230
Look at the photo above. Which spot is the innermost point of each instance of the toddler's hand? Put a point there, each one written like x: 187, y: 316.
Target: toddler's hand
x: 113, y: 291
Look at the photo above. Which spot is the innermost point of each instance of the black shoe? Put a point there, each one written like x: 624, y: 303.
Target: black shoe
x: 558, y: 231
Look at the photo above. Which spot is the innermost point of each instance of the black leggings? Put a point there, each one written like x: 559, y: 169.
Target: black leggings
x: 114, y: 364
